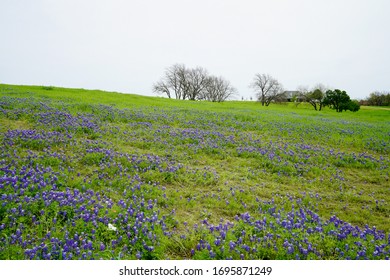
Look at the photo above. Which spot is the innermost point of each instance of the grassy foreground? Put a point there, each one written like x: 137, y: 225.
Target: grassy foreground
x: 90, y: 174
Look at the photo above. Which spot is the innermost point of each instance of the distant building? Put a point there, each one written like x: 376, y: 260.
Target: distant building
x: 291, y: 95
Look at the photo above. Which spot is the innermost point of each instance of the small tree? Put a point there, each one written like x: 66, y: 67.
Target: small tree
x: 314, y: 97
x: 340, y: 101
x: 266, y: 88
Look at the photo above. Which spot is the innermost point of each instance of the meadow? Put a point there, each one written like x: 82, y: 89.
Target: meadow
x: 87, y: 174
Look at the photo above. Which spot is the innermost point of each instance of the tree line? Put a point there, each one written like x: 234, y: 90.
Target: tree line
x: 377, y: 99
x: 185, y: 83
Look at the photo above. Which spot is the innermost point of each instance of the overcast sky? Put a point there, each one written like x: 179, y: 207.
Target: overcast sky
x: 125, y: 46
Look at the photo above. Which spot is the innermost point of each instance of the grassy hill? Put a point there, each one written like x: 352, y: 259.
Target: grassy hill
x: 87, y: 174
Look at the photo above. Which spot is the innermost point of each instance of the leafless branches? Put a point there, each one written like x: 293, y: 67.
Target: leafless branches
x: 193, y: 84
x: 218, y: 89
x: 267, y: 88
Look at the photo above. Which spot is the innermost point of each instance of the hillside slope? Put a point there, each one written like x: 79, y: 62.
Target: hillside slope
x: 87, y: 174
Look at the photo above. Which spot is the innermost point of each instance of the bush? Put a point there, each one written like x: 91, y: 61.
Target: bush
x: 354, y: 105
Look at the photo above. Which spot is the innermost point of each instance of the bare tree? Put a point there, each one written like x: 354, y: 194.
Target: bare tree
x: 175, y: 80
x: 266, y: 88
x: 193, y: 84
x: 218, y: 89
x: 185, y: 83
x: 162, y: 87
x: 197, y: 81
x: 181, y: 80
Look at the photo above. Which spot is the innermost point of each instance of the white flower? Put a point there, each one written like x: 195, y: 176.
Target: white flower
x: 111, y: 227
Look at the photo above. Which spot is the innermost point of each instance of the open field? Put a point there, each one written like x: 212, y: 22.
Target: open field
x: 91, y: 174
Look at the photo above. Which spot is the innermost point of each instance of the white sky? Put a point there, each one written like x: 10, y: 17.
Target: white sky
x: 125, y: 46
